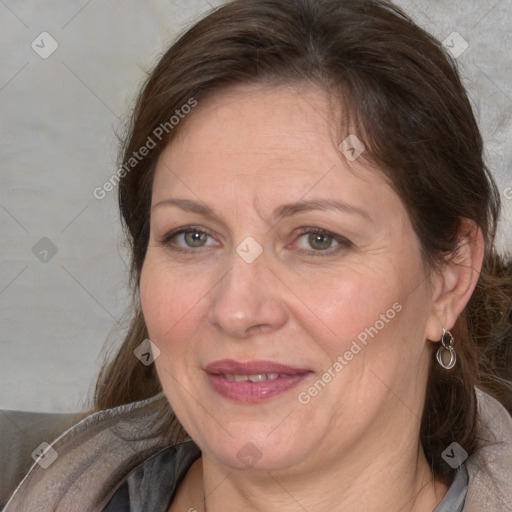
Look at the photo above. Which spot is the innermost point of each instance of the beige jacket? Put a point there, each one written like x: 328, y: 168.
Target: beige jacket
x: 97, y: 454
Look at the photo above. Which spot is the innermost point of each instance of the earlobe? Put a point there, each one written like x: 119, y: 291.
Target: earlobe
x: 456, y: 280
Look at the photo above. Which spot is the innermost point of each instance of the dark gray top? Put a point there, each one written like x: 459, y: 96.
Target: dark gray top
x: 153, y: 484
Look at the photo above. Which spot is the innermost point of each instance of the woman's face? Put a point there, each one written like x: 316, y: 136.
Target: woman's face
x: 284, y: 289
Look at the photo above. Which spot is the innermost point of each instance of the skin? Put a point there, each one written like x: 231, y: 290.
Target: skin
x: 245, y: 153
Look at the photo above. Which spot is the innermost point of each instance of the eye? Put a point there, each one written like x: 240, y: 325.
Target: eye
x: 319, y: 240
x: 194, y: 238
x: 188, y: 238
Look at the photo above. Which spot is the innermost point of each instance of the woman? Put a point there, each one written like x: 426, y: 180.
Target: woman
x: 312, y: 229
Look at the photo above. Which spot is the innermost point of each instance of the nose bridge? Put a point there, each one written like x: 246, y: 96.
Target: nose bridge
x: 245, y: 299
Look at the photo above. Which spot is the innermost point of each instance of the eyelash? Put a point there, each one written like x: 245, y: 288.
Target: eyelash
x: 168, y: 238
x: 343, y: 243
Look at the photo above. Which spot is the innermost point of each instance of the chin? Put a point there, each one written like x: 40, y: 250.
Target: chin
x: 255, y: 449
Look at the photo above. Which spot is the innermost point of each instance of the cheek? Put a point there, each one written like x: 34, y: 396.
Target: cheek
x: 172, y: 304
x: 339, y: 306
x: 368, y: 313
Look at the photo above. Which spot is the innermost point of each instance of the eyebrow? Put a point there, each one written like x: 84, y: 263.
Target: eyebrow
x: 286, y: 210
x: 188, y: 206
x: 290, y: 209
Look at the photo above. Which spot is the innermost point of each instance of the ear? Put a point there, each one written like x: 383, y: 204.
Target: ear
x: 455, y: 282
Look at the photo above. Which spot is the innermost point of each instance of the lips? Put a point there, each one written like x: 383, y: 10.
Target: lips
x: 253, y: 381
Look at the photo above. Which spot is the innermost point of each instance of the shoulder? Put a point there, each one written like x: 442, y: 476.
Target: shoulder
x: 490, y: 467
x: 93, y: 458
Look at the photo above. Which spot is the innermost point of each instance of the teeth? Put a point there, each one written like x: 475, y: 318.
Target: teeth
x: 253, y: 378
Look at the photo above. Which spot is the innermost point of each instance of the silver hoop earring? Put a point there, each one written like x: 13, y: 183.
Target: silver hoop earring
x: 447, y: 341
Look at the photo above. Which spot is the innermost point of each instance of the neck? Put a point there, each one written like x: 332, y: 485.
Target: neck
x: 394, y: 485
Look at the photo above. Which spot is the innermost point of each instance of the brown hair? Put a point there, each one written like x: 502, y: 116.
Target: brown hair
x: 402, y: 95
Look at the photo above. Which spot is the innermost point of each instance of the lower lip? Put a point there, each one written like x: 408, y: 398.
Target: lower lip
x: 252, y: 392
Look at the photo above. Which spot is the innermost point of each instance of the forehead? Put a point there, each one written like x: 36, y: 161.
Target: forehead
x: 261, y: 142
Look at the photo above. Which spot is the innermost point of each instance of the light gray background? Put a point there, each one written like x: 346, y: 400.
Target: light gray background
x: 58, y: 120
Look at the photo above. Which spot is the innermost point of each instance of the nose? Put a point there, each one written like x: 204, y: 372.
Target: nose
x: 247, y: 301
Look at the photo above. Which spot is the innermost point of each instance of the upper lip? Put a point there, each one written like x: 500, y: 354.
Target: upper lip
x: 229, y: 366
